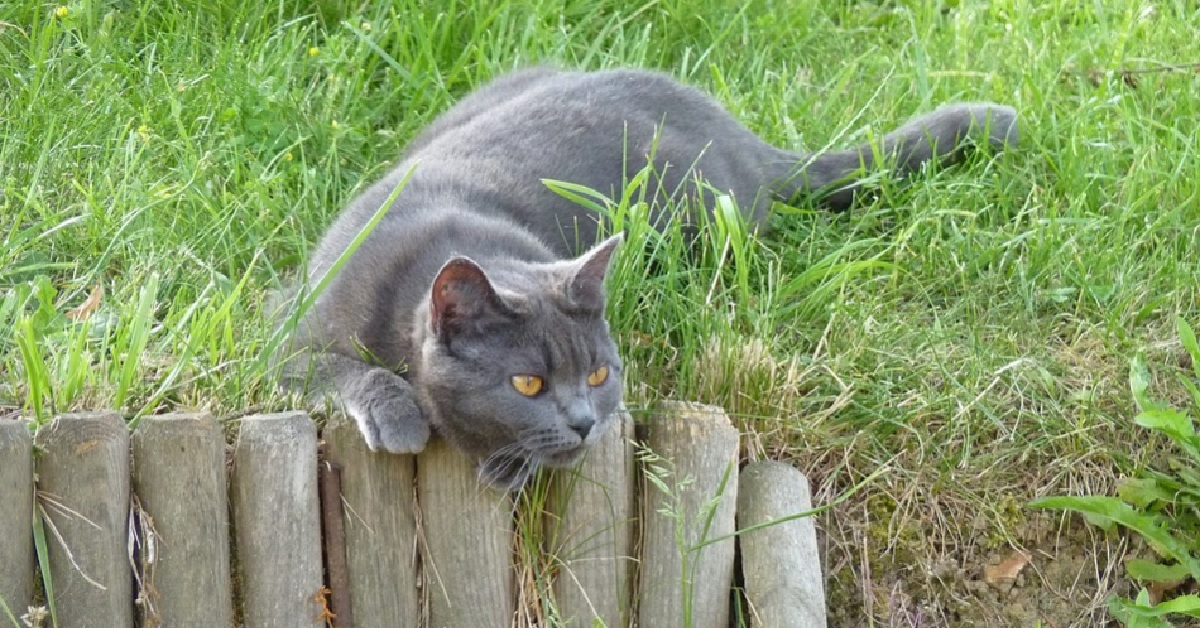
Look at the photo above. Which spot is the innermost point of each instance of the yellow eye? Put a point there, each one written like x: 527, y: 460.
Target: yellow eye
x: 528, y: 385
x: 598, y: 376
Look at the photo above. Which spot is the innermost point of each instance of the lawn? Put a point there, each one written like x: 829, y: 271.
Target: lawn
x: 969, y: 330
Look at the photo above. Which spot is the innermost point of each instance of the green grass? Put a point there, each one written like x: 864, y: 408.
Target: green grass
x: 970, y: 329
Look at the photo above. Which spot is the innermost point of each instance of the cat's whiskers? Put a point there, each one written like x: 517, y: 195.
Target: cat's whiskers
x: 543, y: 444
x: 540, y: 439
x: 508, y: 451
x: 506, y: 464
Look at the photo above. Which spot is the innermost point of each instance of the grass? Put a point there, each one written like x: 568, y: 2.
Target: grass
x: 971, y: 328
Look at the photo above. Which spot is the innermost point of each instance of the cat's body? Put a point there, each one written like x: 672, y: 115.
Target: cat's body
x: 470, y: 280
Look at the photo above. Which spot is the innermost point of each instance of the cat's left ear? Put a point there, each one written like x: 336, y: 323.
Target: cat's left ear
x: 463, y: 299
x: 585, y: 289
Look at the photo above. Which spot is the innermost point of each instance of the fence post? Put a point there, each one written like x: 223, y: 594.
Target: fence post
x: 16, y: 516
x: 380, y: 525
x: 83, y: 475
x: 690, y: 487
x: 179, y: 482
x: 592, y: 534
x: 467, y: 528
x: 781, y: 565
x: 277, y: 526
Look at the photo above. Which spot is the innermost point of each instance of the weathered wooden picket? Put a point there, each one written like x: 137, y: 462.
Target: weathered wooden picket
x: 309, y: 529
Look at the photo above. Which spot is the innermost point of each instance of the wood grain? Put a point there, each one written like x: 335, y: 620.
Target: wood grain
x: 277, y: 524
x: 83, y: 475
x: 179, y: 480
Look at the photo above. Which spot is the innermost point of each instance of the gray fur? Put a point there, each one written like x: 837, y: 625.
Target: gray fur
x: 471, y: 276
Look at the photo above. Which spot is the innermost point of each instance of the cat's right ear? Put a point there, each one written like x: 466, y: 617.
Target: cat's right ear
x: 463, y: 299
x: 586, y: 285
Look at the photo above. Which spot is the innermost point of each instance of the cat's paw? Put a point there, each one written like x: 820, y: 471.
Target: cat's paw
x: 385, y: 408
x: 506, y: 473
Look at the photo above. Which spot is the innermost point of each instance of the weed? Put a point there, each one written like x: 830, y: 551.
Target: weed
x: 1161, y: 505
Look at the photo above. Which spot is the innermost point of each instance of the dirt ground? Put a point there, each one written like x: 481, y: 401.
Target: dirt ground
x: 1050, y: 571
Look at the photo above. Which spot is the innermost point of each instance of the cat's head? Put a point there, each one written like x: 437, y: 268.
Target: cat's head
x: 517, y: 367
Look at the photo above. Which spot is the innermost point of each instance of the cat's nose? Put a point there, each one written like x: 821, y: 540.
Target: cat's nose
x: 583, y: 427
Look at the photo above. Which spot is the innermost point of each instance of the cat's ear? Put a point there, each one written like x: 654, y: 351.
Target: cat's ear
x: 585, y: 289
x: 462, y: 298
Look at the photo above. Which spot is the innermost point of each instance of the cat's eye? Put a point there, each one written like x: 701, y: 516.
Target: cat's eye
x: 528, y: 385
x: 598, y: 376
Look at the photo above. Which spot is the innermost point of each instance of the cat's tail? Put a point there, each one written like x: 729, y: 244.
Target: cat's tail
x: 944, y: 135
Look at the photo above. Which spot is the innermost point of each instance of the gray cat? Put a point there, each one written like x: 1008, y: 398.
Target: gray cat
x: 470, y: 309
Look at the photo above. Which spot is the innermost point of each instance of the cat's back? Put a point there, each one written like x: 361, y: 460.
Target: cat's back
x: 595, y: 129
x: 541, y: 107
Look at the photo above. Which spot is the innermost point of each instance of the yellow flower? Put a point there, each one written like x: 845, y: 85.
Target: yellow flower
x: 334, y: 124
x: 287, y: 156
x: 61, y: 11
x: 144, y: 132
x: 314, y: 51
x: 366, y: 27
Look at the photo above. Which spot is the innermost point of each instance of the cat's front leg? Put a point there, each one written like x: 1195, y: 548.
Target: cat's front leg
x: 382, y: 404
x: 385, y: 408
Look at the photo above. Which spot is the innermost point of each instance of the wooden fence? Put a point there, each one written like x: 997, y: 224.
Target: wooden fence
x: 169, y: 526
